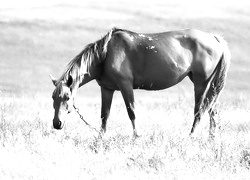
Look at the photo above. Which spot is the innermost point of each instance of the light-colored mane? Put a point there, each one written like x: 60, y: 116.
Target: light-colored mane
x: 91, y: 55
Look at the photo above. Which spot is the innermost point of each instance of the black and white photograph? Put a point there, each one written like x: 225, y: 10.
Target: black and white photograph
x: 124, y: 89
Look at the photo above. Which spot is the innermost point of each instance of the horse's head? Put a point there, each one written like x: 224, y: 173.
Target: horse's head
x: 63, y: 101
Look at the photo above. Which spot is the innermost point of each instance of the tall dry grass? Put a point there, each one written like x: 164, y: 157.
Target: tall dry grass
x: 31, y: 149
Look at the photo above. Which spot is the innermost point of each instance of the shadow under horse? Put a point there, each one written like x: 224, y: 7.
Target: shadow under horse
x: 123, y: 60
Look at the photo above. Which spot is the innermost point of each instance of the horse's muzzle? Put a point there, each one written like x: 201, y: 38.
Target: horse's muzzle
x: 57, y: 124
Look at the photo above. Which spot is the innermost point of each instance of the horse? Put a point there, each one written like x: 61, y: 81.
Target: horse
x: 124, y: 60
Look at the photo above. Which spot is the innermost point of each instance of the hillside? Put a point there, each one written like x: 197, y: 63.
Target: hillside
x: 37, y: 41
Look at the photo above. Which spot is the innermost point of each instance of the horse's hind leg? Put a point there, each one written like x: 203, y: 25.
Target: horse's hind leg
x: 205, y: 99
x: 198, y: 92
x: 213, y: 115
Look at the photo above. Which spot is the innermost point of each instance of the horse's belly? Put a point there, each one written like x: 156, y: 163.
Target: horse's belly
x: 159, y: 78
x: 153, y: 85
x: 163, y: 68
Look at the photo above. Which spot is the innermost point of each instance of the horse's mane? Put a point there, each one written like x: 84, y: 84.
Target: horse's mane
x: 92, y: 54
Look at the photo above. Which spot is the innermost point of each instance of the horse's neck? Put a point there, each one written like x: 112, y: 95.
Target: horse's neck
x: 86, y: 78
x: 77, y: 84
x: 93, y: 72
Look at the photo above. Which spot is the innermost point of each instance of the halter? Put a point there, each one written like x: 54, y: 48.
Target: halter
x: 81, y: 117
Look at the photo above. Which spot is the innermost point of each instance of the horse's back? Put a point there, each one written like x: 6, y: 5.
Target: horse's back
x: 151, y: 61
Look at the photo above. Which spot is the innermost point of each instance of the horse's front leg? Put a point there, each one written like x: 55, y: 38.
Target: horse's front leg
x: 107, y: 96
x: 128, y: 96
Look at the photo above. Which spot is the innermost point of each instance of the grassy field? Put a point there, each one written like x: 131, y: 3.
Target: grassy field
x: 37, y: 41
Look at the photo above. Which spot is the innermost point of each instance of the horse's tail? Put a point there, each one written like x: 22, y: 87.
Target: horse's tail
x: 217, y: 80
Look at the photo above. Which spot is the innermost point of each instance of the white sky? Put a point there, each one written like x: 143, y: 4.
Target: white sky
x: 24, y: 9
x: 31, y: 3
x: 41, y: 3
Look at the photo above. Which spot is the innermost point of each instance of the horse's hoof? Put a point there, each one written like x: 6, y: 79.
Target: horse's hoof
x: 135, y: 136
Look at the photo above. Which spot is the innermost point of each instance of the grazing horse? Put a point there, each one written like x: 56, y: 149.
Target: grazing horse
x: 124, y: 60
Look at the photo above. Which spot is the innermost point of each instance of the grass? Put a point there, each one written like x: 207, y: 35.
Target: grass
x: 37, y: 41
x: 31, y: 149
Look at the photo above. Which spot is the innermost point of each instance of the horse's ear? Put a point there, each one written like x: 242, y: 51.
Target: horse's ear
x: 69, y: 81
x: 53, y: 79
